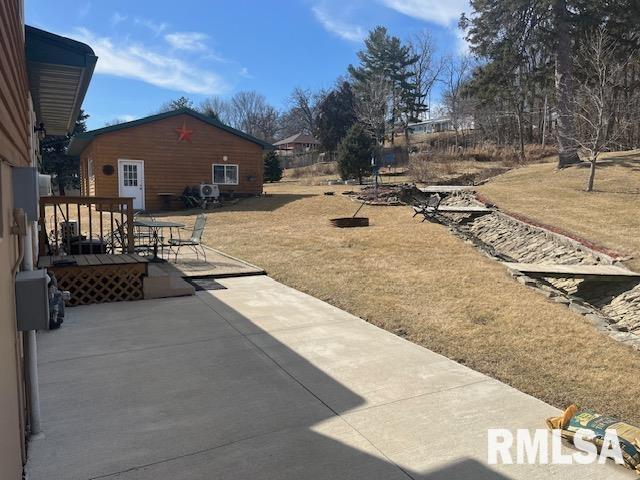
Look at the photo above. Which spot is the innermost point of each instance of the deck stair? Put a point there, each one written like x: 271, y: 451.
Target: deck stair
x: 160, y: 284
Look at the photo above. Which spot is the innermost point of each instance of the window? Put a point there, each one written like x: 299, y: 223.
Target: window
x: 130, y: 175
x: 225, y: 174
x: 90, y: 169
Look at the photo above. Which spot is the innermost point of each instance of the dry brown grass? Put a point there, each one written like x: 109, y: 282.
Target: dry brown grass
x: 471, y: 165
x: 610, y: 216
x: 419, y: 281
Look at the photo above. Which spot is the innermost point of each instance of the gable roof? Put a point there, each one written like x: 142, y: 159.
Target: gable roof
x: 80, y: 141
x: 298, y: 138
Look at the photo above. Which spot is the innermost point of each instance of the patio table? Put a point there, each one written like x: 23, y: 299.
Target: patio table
x: 156, y: 226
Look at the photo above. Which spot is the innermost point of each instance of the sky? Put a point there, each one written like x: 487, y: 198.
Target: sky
x: 152, y: 51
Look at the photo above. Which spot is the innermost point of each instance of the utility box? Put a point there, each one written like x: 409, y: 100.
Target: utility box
x: 32, y: 300
x: 26, y: 191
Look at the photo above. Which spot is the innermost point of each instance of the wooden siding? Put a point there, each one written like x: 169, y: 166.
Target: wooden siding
x: 14, y: 151
x: 14, y: 111
x: 169, y: 165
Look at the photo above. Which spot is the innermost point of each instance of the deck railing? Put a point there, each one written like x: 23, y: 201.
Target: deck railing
x: 86, y: 225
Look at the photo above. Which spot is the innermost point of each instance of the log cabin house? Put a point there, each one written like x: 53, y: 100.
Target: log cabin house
x: 162, y: 154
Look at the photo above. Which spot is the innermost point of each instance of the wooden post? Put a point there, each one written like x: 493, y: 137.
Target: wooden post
x: 130, y: 239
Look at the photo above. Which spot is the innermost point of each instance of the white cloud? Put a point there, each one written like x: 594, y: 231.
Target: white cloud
x: 244, y: 72
x: 463, y: 45
x: 347, y: 31
x: 193, y: 41
x: 155, y: 27
x: 137, y: 61
x: 127, y: 118
x: 441, y: 12
x: 117, y: 18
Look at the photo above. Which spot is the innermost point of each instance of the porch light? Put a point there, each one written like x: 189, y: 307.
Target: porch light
x: 40, y: 130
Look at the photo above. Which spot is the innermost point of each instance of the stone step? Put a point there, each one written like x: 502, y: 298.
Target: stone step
x: 165, y: 286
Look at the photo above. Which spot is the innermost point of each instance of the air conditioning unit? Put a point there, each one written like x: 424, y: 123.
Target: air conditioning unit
x: 69, y: 229
x: 44, y: 185
x: 208, y: 190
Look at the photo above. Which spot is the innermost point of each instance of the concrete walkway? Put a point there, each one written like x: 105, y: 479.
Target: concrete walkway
x: 260, y: 381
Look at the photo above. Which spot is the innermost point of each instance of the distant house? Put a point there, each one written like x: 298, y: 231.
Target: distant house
x: 162, y: 154
x: 298, y: 143
x: 442, y: 124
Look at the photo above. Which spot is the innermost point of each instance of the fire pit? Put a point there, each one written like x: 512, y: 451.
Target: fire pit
x: 349, y: 222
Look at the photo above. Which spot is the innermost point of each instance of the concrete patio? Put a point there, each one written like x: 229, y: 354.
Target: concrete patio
x: 260, y: 381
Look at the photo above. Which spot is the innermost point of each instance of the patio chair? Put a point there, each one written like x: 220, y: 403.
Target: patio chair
x: 117, y: 240
x: 429, y: 209
x: 144, y: 236
x: 194, y: 242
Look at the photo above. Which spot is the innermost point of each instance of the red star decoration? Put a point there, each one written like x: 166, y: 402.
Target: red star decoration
x: 185, y: 133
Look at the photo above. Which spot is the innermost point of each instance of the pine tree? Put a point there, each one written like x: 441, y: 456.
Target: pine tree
x: 56, y: 162
x: 386, y: 57
x: 272, y: 168
x: 336, y: 114
x: 354, y: 154
x: 175, y: 104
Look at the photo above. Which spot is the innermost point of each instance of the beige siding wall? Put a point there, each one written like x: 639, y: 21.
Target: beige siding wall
x: 14, y: 151
x: 11, y: 383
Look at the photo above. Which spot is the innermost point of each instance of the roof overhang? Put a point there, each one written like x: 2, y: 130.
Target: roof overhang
x: 59, y: 70
x: 81, y: 141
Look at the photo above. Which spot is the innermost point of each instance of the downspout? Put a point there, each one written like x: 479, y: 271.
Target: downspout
x: 32, y: 349
x: 28, y: 247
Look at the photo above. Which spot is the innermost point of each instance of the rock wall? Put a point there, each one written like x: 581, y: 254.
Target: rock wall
x: 514, y: 240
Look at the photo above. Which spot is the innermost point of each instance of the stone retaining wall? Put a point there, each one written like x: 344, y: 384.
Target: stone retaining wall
x: 508, y: 238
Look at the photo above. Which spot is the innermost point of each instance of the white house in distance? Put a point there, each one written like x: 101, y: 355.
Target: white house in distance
x: 441, y: 124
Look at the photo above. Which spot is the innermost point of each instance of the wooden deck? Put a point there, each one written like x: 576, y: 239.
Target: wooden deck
x: 591, y: 272
x: 98, y: 278
x: 218, y: 265
x: 48, y: 261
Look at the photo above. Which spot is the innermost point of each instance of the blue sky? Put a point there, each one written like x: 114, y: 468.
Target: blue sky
x: 154, y: 50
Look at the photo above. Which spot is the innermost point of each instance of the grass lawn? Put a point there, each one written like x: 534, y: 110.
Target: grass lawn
x: 418, y: 281
x: 609, y: 216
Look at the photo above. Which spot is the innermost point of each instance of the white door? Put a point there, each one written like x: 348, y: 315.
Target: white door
x: 131, y: 181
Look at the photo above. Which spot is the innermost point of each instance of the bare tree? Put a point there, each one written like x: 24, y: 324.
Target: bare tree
x: 304, y: 108
x: 455, y: 75
x: 372, y: 107
x: 567, y: 152
x: 601, y: 115
x: 115, y: 121
x: 216, y: 107
x: 249, y: 111
x: 425, y: 72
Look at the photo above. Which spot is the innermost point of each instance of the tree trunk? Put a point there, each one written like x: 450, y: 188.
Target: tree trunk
x: 567, y: 149
x: 592, y: 175
x: 521, y: 137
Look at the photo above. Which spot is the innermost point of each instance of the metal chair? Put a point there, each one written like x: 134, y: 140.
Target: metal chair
x: 194, y: 242
x: 429, y: 209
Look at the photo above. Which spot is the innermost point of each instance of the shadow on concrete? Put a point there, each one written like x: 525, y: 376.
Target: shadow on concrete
x: 465, y: 469
x: 148, y: 390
